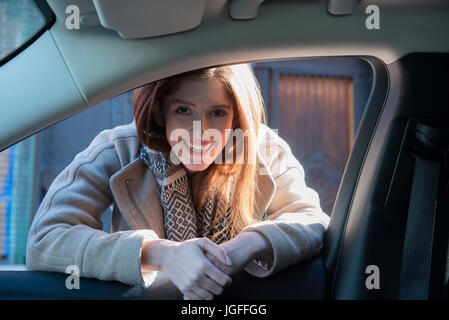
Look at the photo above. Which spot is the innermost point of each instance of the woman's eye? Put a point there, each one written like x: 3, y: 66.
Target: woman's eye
x: 182, y: 110
x: 218, y: 113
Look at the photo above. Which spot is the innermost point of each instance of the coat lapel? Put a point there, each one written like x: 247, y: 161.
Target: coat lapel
x: 137, y: 195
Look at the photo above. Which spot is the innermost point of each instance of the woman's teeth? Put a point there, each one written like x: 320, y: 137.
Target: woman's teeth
x: 200, y: 149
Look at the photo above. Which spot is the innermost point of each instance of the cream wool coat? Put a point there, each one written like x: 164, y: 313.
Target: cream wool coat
x: 67, y: 227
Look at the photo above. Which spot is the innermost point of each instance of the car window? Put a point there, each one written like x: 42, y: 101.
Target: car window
x: 28, y: 168
x: 315, y: 105
x: 20, y: 22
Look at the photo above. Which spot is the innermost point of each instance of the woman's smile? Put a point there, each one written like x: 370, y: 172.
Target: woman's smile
x: 198, y: 150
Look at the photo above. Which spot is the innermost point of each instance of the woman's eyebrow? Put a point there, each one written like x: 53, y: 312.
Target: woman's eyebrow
x: 179, y: 101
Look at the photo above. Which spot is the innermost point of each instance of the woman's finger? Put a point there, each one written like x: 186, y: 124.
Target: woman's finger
x: 210, y: 285
x: 223, y: 268
x: 215, y: 250
x: 215, y: 274
x: 202, y: 293
x: 190, y: 295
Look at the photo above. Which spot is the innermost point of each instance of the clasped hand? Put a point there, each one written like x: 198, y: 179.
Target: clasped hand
x: 200, y: 268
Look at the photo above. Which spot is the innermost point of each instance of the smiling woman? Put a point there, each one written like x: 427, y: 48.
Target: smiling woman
x: 185, y: 220
x: 213, y: 110
x: 236, y: 87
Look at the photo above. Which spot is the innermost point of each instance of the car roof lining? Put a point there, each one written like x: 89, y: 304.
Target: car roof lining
x: 103, y: 64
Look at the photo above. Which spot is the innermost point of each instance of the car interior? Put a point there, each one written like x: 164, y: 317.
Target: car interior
x: 391, y: 208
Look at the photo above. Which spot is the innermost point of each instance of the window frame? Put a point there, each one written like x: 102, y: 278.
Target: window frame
x: 49, y: 18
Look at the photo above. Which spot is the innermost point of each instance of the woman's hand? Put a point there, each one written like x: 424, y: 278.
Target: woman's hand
x: 242, y: 250
x: 187, y: 267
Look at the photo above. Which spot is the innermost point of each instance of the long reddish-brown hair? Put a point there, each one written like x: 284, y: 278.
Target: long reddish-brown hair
x: 219, y: 178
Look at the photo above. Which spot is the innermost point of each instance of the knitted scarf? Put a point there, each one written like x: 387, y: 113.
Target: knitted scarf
x: 181, y: 221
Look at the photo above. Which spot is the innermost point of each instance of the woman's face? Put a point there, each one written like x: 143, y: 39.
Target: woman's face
x: 198, y: 118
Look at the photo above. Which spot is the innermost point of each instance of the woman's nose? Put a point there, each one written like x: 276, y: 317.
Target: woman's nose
x: 201, y: 121
x: 200, y: 124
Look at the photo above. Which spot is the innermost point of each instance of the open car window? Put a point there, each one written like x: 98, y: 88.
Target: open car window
x: 315, y: 105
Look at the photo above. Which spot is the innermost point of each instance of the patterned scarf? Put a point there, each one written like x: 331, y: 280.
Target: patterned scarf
x: 181, y: 222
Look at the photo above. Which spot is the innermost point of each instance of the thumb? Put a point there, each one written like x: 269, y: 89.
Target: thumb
x: 215, y: 250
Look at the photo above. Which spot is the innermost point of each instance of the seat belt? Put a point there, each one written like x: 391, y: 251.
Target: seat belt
x: 430, y: 146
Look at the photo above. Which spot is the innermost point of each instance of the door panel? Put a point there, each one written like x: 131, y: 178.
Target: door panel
x: 306, y: 280
x: 373, y: 220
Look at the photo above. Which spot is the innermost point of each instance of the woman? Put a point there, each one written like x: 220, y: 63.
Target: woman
x: 201, y: 188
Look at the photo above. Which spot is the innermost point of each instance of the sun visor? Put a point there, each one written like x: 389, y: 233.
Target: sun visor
x: 341, y: 7
x: 134, y: 19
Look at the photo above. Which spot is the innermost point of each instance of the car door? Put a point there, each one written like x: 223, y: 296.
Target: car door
x: 374, y: 204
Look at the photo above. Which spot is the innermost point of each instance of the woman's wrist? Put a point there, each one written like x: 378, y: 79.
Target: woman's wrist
x: 154, y: 253
x: 257, y: 244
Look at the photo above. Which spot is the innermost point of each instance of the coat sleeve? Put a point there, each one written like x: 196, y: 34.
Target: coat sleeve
x: 295, y: 223
x: 67, y: 227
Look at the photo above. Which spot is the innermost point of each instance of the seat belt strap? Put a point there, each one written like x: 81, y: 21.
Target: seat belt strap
x: 417, y: 250
x: 430, y: 145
